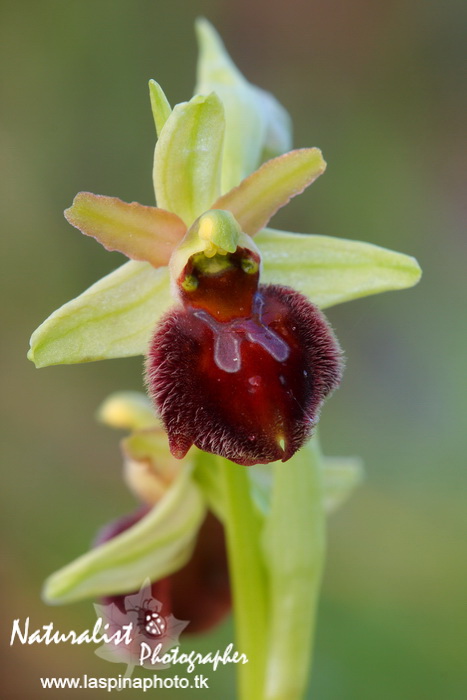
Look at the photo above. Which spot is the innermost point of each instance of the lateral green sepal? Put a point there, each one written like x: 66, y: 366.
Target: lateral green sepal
x: 333, y: 270
x: 115, y: 317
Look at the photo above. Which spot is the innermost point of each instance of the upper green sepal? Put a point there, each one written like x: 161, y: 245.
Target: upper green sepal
x: 257, y: 126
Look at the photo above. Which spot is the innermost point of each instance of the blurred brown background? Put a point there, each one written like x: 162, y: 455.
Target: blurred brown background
x: 378, y: 86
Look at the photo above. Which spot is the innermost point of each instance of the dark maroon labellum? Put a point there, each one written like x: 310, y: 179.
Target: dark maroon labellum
x: 248, y: 384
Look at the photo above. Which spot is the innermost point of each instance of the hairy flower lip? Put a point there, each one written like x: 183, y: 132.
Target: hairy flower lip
x: 264, y: 409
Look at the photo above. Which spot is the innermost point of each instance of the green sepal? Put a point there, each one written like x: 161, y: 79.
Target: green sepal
x: 340, y: 478
x: 155, y: 547
x: 115, y: 317
x: 187, y: 159
x: 257, y: 126
x: 278, y: 136
x: 332, y: 270
x: 161, y: 109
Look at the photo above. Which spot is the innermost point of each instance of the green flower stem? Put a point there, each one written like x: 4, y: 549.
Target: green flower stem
x: 294, y: 545
x: 243, y: 532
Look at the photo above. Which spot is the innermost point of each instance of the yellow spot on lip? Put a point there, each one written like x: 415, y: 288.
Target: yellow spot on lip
x: 281, y: 442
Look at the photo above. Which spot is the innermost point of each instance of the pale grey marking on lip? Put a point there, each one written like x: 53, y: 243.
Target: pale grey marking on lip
x: 228, y: 337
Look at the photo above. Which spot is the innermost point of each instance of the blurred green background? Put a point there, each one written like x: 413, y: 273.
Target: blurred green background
x: 378, y: 86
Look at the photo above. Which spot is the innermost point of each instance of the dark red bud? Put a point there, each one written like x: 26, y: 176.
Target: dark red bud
x: 248, y: 388
x: 200, y: 591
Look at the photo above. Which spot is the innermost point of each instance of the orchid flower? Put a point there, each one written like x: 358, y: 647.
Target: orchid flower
x: 239, y: 360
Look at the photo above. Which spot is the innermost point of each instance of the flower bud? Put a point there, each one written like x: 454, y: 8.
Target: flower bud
x: 199, y: 592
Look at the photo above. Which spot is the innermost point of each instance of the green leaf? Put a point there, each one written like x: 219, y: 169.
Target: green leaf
x: 257, y: 126
x: 128, y: 410
x: 113, y: 318
x: 156, y: 546
x: 271, y: 187
x: 187, y: 160
x: 341, y: 476
x: 333, y: 270
x: 161, y: 109
x: 139, y: 232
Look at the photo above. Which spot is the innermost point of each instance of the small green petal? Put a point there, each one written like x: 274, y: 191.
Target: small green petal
x: 257, y: 126
x: 161, y: 109
x: 113, y: 318
x: 140, y: 232
x: 271, y: 187
x: 341, y: 476
x: 333, y: 270
x: 128, y: 410
x: 154, y: 547
x: 187, y: 160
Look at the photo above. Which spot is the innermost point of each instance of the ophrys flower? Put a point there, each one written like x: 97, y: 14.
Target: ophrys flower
x: 251, y: 388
